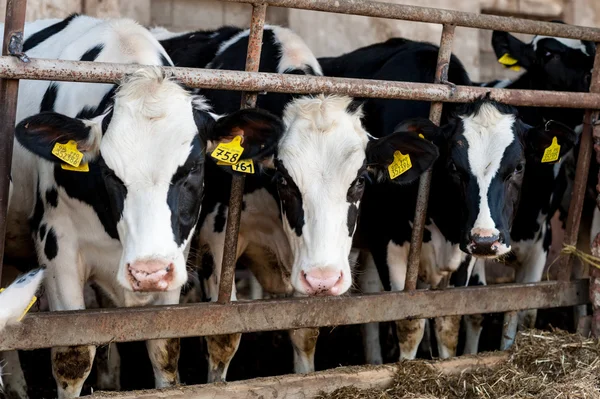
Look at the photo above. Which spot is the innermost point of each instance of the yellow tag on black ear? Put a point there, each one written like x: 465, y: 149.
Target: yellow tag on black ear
x: 421, y: 136
x: 68, y: 153
x: 244, y: 166
x: 84, y: 167
x: 400, y: 165
x: 229, y: 153
x: 507, y: 60
x: 28, y: 306
x: 552, y: 153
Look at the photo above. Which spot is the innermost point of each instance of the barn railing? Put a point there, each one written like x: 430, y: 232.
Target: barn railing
x: 132, y: 324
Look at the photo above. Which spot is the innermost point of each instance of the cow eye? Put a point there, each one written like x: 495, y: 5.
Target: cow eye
x: 519, y: 168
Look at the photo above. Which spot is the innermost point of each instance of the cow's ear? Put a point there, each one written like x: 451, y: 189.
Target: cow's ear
x: 45, y: 132
x: 511, y: 52
x: 259, y: 132
x: 401, y: 157
x: 549, y: 142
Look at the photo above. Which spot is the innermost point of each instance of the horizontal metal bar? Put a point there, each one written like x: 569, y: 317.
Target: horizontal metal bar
x: 137, y: 324
x: 437, y: 16
x: 60, y: 70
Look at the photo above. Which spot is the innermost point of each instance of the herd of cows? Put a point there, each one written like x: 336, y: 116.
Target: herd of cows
x: 332, y: 176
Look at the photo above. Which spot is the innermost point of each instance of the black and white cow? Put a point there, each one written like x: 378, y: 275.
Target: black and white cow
x: 14, y: 302
x: 550, y: 63
x: 477, y: 179
x: 126, y: 223
x: 299, y: 215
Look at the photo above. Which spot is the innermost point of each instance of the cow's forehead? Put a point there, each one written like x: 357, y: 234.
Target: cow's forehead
x: 150, y: 134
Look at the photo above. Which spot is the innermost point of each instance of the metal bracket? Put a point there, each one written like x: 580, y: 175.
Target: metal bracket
x: 452, y: 86
x: 15, y: 47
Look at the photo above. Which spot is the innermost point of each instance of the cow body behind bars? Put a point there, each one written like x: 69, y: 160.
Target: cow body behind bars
x: 127, y: 222
x: 484, y: 149
x: 298, y: 216
x: 556, y: 64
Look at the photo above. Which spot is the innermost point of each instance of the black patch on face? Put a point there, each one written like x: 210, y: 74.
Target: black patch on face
x: 92, y: 53
x: 220, y: 219
x: 354, y: 106
x: 51, y: 247
x: 52, y: 197
x: 290, y: 197
x: 42, y: 231
x: 164, y: 61
x: 354, y: 194
x: 44, y: 34
x: 92, y: 112
x: 116, y: 191
x: 185, y: 193
x: 352, y: 217
x: 49, y: 98
x: 38, y: 212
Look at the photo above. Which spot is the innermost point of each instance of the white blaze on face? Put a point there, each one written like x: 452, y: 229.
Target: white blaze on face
x: 488, y: 134
x: 149, y: 137
x: 322, y: 150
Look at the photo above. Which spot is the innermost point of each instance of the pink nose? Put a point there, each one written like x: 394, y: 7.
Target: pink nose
x: 322, y: 281
x: 478, y: 231
x: 150, y: 275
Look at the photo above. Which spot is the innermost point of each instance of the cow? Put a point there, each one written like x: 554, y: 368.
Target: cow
x: 115, y: 215
x: 15, y: 301
x: 550, y: 63
x: 482, y: 193
x: 299, y: 215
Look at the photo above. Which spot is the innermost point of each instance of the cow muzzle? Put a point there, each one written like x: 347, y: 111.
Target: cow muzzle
x: 486, y: 243
x: 322, y: 281
x: 150, y: 275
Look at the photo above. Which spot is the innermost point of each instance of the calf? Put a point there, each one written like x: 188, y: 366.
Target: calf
x: 299, y: 215
x: 93, y: 223
x: 550, y: 64
x: 478, y: 176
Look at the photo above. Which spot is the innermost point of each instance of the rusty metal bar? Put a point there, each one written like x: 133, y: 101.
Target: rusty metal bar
x: 437, y: 16
x: 96, y: 327
x: 9, y: 90
x: 75, y: 71
x: 435, y: 114
x: 581, y: 175
x: 234, y: 213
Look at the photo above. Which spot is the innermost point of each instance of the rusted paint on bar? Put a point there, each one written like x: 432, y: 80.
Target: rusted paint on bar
x: 59, y: 70
x: 437, y: 16
x: 237, y: 182
x: 9, y: 90
x: 136, y: 324
x: 581, y: 176
x: 435, y: 114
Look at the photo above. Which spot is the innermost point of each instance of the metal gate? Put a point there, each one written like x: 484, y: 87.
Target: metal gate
x: 93, y: 327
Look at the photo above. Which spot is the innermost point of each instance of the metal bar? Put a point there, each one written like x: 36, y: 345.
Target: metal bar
x: 76, y: 71
x: 581, y: 176
x: 9, y: 90
x: 435, y: 114
x: 437, y: 16
x: 96, y: 327
x: 237, y: 182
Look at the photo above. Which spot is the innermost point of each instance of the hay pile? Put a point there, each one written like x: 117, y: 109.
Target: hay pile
x: 546, y: 365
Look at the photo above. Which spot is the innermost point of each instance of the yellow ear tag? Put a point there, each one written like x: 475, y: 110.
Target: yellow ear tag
x: 552, y: 153
x: 421, y: 136
x: 28, y: 306
x: 229, y: 153
x: 84, y: 167
x: 68, y: 153
x: 400, y: 165
x: 244, y: 166
x: 507, y: 60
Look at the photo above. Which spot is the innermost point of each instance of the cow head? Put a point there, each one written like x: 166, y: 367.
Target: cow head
x: 561, y: 64
x: 484, y: 151
x: 150, y: 150
x: 323, y: 161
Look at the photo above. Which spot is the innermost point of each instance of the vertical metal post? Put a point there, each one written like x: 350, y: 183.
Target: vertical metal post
x: 435, y: 114
x: 237, y: 183
x: 9, y: 90
x: 581, y: 176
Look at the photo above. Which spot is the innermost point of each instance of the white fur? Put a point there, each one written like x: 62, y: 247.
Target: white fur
x: 488, y: 134
x: 571, y: 43
x: 294, y: 51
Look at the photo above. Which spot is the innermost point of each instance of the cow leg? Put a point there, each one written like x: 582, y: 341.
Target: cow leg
x: 369, y: 281
x: 304, y: 341
x: 530, y: 271
x: 15, y: 386
x: 108, y: 367
x: 474, y: 323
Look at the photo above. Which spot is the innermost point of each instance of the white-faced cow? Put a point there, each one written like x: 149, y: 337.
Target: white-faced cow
x: 14, y: 302
x: 477, y: 179
x: 299, y: 215
x: 126, y: 219
x: 550, y: 63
